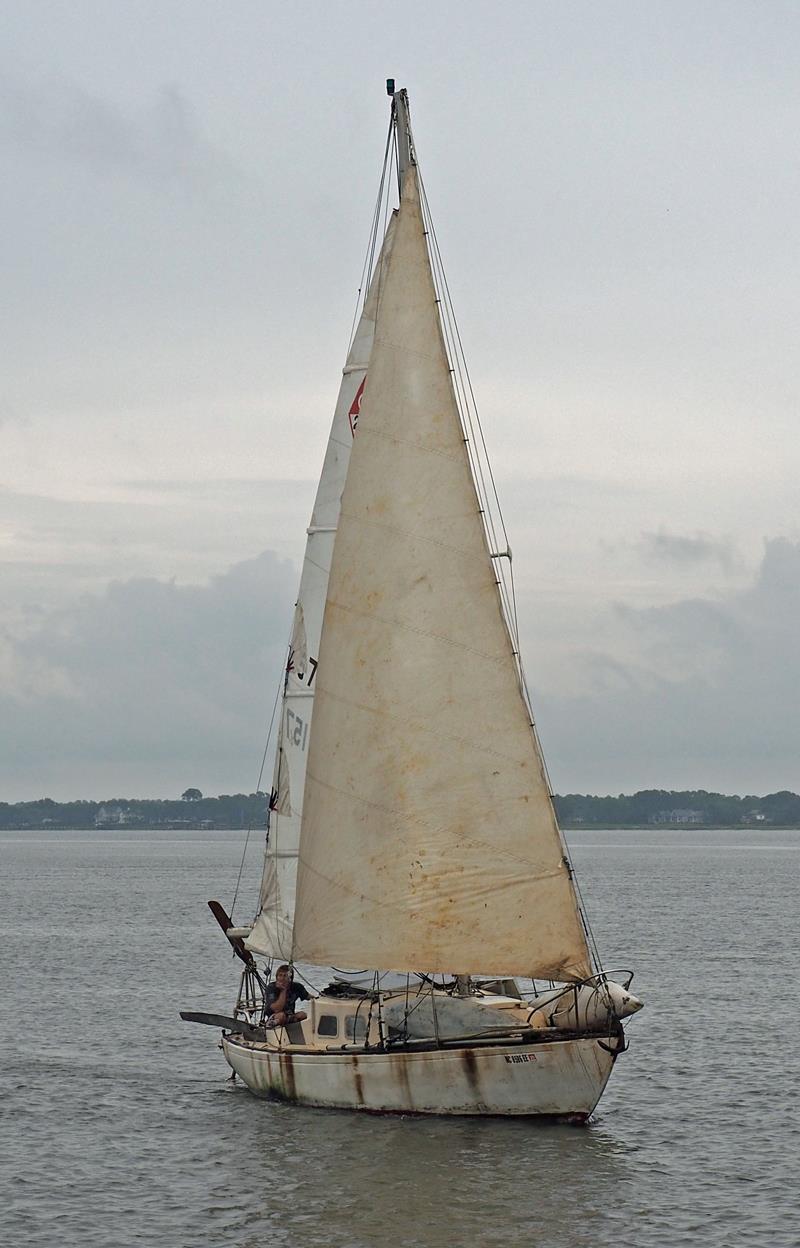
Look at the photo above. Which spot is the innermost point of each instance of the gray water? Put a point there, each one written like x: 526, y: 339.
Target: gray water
x: 120, y: 1127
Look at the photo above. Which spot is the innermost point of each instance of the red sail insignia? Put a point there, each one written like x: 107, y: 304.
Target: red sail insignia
x: 355, y: 406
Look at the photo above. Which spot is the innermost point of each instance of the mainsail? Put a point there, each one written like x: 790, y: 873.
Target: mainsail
x: 428, y: 836
x: 272, y: 931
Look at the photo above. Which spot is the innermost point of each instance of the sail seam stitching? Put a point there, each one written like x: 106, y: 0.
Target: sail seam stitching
x: 498, y: 660
x: 365, y: 428
x: 354, y: 892
x: 466, y: 841
x: 342, y: 442
x: 477, y: 556
x: 420, y: 727
x: 401, y: 348
x: 319, y: 566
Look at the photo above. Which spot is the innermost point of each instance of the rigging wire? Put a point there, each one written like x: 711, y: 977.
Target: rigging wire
x: 467, y: 407
x: 258, y: 790
x: 381, y: 203
x: 369, y: 258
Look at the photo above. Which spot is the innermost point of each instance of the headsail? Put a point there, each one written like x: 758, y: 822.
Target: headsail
x: 428, y: 837
x: 272, y: 931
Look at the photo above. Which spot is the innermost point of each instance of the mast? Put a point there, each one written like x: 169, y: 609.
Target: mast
x: 402, y: 124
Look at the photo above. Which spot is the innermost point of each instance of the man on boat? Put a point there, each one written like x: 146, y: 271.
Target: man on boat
x: 282, y: 997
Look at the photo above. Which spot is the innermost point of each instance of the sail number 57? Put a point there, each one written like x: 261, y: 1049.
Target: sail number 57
x: 296, y: 728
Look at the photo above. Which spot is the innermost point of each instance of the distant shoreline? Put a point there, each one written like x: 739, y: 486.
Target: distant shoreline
x: 646, y: 810
x: 565, y: 827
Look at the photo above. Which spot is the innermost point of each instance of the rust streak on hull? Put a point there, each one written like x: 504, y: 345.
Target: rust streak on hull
x: 287, y: 1076
x: 358, y: 1082
x: 561, y: 1079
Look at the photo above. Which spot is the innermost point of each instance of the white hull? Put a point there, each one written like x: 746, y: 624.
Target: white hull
x: 560, y: 1078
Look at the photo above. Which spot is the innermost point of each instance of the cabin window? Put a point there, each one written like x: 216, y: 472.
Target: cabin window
x: 328, y: 1025
x: 355, y: 1027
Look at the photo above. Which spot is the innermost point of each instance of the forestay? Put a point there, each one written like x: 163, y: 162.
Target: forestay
x: 272, y: 932
x: 428, y: 836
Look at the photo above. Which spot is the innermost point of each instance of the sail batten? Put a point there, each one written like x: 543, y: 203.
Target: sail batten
x: 428, y: 836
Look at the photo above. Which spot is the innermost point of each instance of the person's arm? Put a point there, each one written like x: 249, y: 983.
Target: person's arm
x: 276, y: 1000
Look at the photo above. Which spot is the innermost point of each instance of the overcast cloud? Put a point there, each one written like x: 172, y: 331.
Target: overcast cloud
x: 63, y: 122
x: 179, y: 680
x: 691, y: 548
x: 150, y: 677
x: 187, y: 194
x: 702, y: 686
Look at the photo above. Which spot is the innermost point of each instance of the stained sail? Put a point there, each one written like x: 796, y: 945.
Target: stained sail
x: 428, y: 837
x: 272, y: 931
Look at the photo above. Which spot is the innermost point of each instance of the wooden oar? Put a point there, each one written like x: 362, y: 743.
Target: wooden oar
x: 223, y: 918
x: 225, y: 1021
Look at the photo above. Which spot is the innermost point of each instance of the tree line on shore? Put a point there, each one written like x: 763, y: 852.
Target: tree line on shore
x: 192, y: 810
x: 575, y: 810
x: 688, y: 807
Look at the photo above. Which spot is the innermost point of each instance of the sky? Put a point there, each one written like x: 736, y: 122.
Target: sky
x: 186, y: 198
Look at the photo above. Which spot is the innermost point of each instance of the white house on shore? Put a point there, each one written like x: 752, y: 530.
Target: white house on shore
x: 115, y: 817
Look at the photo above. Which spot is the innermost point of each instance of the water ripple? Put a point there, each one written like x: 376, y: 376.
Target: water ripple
x: 121, y: 1128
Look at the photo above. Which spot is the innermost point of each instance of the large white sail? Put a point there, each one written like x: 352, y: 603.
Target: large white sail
x: 428, y: 836
x: 272, y: 931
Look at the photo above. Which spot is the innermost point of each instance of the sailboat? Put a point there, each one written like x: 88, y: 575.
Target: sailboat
x: 411, y: 828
